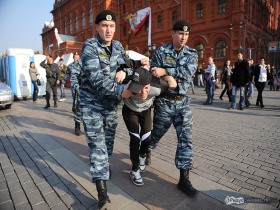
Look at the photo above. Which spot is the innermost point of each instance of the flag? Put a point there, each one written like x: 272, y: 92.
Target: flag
x: 138, y: 19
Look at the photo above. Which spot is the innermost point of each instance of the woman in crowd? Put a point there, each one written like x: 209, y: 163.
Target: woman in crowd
x: 225, y: 79
x: 260, y: 78
x: 33, y: 75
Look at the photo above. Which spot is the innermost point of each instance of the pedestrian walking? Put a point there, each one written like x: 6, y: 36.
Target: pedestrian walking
x: 225, y: 79
x: 199, y: 77
x: 239, y: 79
x: 260, y: 78
x: 210, y: 81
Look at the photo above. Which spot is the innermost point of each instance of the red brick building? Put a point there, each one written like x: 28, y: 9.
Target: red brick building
x: 219, y: 28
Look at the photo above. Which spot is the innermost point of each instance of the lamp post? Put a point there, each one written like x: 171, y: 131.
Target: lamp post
x: 151, y: 49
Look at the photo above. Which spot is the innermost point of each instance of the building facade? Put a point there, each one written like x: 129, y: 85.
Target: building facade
x: 219, y: 28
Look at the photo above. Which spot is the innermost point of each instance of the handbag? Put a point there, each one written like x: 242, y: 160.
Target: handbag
x: 38, y: 82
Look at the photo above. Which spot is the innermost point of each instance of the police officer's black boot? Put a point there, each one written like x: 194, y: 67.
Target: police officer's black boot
x: 77, y: 128
x: 104, y: 202
x: 55, y: 104
x: 47, y: 105
x: 185, y: 184
x: 148, y: 158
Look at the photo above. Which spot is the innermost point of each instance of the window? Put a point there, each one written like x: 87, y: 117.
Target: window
x: 70, y: 26
x: 199, y: 11
x: 174, y: 17
x: 146, y: 2
x: 159, y: 21
x: 90, y: 17
x: 199, y: 47
x: 221, y: 6
x: 83, y: 20
x: 134, y: 4
x: 77, y: 23
x: 220, y: 49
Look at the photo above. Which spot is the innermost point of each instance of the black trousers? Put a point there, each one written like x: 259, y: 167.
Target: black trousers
x: 51, y: 86
x: 139, y: 125
x: 260, y: 87
x: 226, y: 89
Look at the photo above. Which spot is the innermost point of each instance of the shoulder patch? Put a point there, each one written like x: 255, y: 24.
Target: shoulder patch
x: 103, y: 54
x: 169, y: 59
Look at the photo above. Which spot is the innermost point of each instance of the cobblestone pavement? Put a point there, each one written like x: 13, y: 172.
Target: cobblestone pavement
x: 236, y: 154
x: 239, y: 149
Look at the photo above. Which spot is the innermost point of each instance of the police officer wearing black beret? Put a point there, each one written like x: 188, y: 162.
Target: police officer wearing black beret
x: 100, y: 89
x: 173, y: 107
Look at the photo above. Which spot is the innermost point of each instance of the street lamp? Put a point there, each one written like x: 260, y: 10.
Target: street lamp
x: 151, y: 49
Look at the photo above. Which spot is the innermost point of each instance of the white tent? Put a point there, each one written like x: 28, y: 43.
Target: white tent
x: 68, y: 58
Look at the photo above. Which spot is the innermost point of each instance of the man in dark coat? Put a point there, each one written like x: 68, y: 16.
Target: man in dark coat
x: 239, y: 79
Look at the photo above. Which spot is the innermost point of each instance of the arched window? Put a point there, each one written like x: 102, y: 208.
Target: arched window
x: 199, y: 11
x: 70, y: 26
x: 159, y: 21
x: 77, y: 23
x: 65, y: 27
x: 221, y: 6
x: 220, y: 49
x: 90, y: 17
x: 83, y: 20
x: 174, y: 17
x: 199, y: 47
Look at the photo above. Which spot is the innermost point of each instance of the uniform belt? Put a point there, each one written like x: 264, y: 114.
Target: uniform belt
x: 175, y: 98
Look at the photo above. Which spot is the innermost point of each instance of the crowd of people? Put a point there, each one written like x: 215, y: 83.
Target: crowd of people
x: 243, y: 75
x: 104, y: 75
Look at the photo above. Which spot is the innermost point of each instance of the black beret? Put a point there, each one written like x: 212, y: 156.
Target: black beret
x: 105, y: 15
x: 181, y: 25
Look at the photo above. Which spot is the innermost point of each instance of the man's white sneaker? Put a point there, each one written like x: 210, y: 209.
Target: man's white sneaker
x: 60, y: 100
x: 142, y: 163
x: 136, y: 178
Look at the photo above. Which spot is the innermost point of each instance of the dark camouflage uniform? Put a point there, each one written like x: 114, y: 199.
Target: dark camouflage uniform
x: 52, y: 74
x: 73, y: 71
x: 99, y: 95
x: 169, y: 110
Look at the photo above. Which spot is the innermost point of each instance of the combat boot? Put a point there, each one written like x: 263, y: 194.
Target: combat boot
x: 148, y: 160
x: 77, y: 128
x: 104, y: 202
x: 55, y: 104
x: 47, y: 105
x: 185, y: 184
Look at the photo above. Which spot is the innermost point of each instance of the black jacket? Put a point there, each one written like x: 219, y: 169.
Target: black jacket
x: 240, y: 74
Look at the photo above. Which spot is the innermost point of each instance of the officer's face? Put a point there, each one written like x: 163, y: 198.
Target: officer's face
x: 180, y: 38
x: 106, y: 30
x: 143, y: 94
